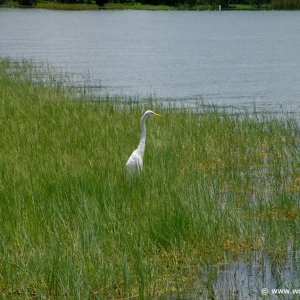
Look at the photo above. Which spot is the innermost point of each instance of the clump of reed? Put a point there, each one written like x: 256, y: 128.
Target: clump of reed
x: 136, y: 6
x: 285, y: 4
x: 67, y: 6
x: 73, y: 227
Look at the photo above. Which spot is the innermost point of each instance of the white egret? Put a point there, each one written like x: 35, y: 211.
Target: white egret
x: 134, y: 163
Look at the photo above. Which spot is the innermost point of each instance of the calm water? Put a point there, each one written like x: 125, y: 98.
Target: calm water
x: 255, y: 277
x: 226, y: 58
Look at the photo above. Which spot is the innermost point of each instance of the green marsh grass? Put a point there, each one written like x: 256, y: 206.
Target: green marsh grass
x: 286, y: 4
x: 137, y: 6
x: 67, y: 6
x: 72, y: 226
x: 93, y: 6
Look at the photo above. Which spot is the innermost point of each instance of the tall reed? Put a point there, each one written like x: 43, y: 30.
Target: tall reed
x: 72, y: 226
x: 285, y: 4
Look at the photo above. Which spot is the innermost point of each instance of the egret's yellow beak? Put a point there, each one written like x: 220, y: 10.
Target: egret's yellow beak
x: 157, y: 115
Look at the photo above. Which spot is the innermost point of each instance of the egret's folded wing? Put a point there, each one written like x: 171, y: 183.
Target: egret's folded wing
x: 134, y: 163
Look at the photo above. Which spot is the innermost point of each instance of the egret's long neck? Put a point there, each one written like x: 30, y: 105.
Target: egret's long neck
x: 142, y: 144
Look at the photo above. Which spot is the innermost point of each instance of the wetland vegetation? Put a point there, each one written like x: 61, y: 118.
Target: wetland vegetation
x: 157, y: 4
x: 214, y: 184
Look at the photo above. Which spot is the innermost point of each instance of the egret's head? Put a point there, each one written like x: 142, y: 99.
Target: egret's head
x: 150, y: 113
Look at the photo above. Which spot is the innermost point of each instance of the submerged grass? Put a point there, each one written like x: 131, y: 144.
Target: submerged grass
x: 73, y: 227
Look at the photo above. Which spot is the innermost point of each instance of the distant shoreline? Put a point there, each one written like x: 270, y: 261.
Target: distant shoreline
x: 119, y: 6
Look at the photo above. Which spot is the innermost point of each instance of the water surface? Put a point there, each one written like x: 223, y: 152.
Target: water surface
x: 231, y: 58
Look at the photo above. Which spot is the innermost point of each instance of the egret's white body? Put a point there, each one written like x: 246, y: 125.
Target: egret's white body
x: 134, y: 163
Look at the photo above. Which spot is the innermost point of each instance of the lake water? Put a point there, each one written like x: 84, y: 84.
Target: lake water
x: 228, y: 58
x: 255, y: 277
